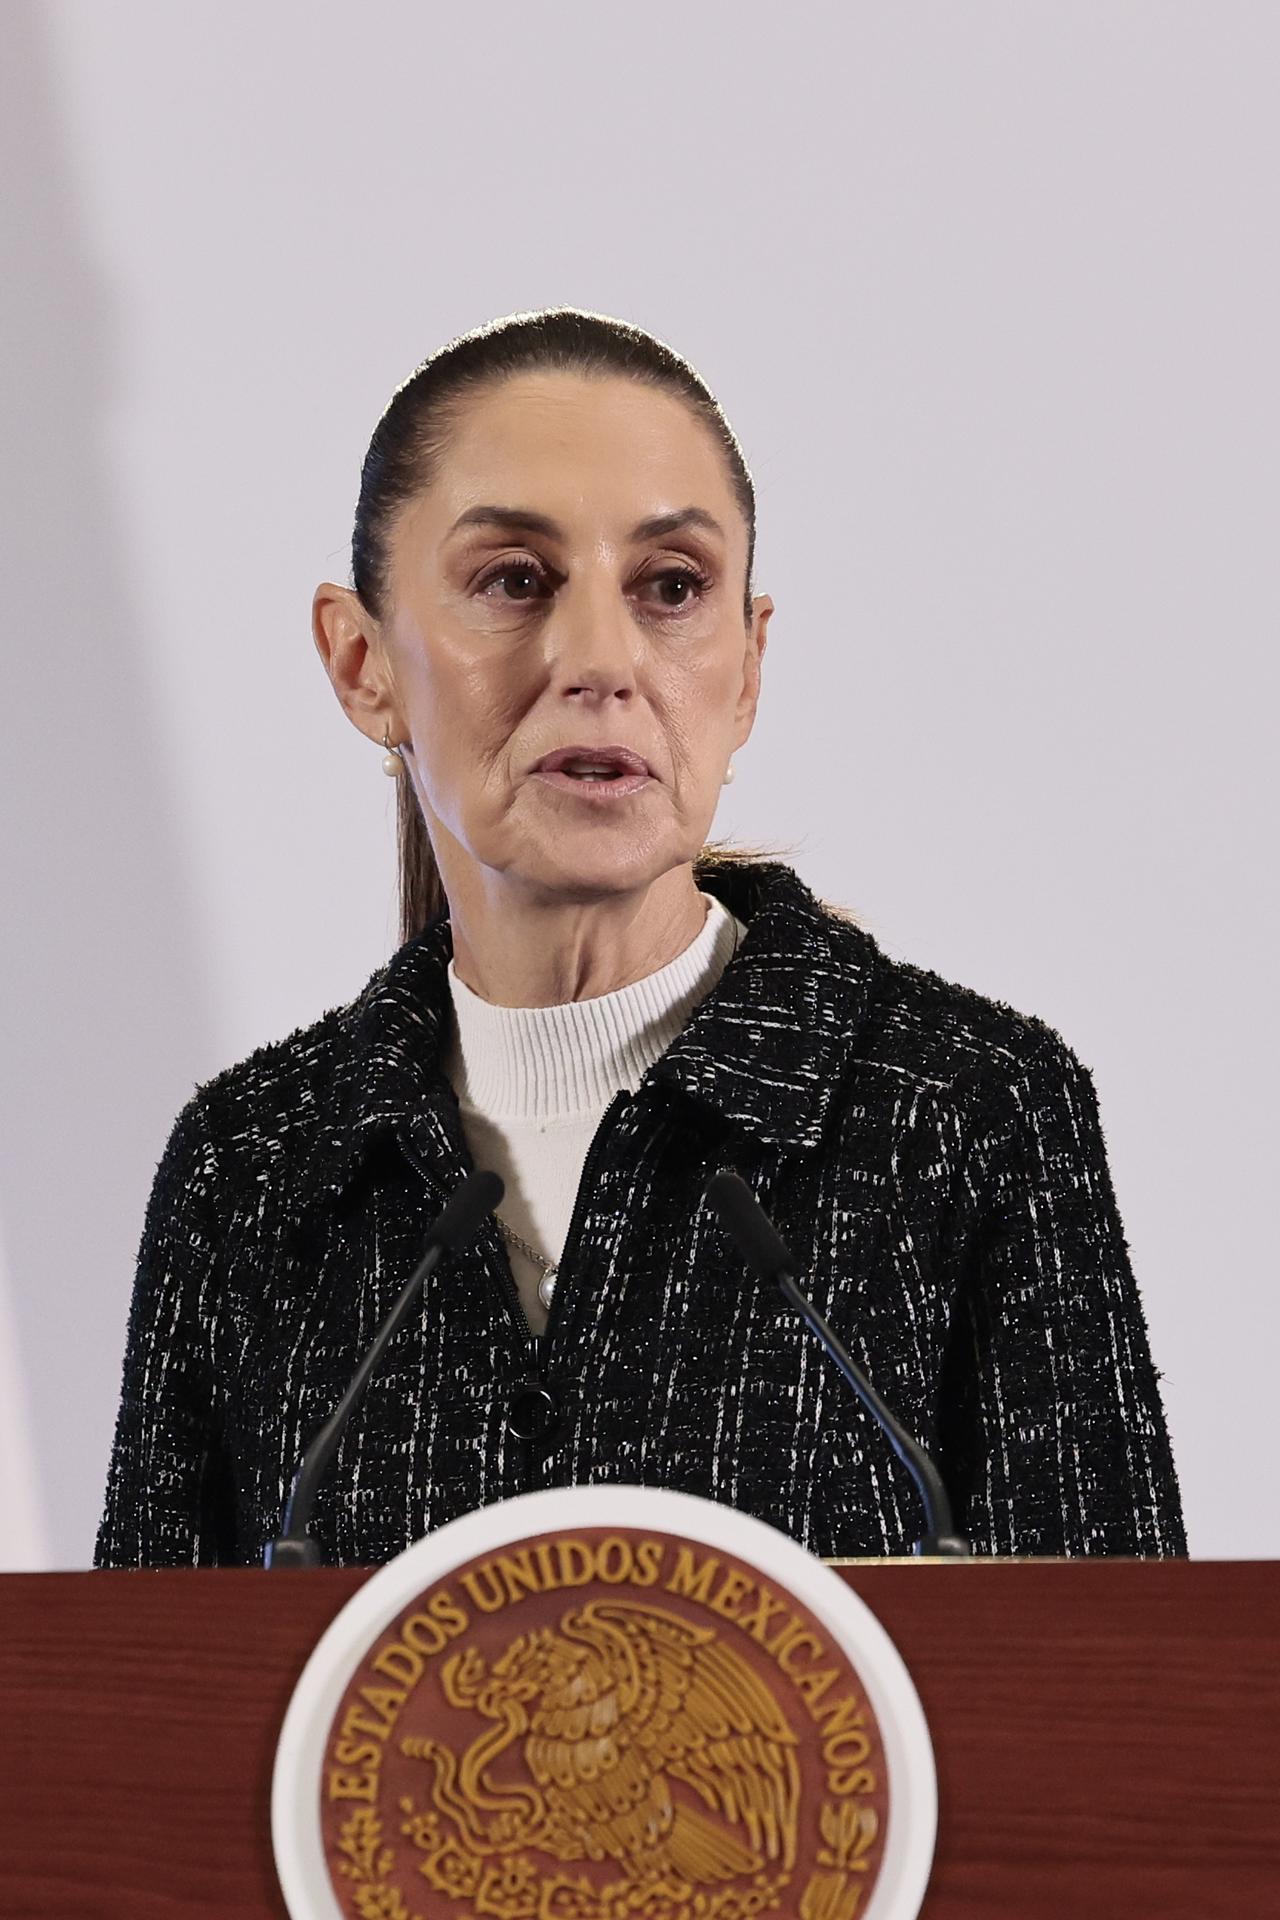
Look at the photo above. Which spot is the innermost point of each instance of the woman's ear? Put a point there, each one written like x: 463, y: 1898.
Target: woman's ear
x: 761, y: 610
x: 349, y: 642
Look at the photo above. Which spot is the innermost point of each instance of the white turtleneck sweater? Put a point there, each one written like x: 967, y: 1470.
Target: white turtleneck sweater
x: 533, y: 1082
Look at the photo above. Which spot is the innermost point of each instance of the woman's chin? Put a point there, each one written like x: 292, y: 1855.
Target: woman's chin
x: 580, y: 869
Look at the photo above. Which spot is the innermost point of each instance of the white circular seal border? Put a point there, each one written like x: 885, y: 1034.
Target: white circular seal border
x: 907, y: 1860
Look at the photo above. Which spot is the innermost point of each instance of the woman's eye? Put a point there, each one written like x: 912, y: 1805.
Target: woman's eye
x: 511, y: 570
x: 693, y: 583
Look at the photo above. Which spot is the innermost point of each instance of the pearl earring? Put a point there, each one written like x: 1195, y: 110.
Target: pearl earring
x: 393, y: 759
x: 728, y: 775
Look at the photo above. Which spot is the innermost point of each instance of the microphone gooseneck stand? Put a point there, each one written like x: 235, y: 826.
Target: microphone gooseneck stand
x: 478, y: 1194
x: 767, y: 1254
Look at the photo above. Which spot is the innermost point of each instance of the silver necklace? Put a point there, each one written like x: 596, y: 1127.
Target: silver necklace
x: 547, y: 1284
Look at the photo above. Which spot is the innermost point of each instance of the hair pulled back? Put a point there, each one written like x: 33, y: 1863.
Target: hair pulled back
x: 412, y: 439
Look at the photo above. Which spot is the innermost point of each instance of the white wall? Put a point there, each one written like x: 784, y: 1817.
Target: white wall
x: 989, y: 293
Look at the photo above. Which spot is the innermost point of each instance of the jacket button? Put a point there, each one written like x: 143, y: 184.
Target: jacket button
x: 533, y: 1412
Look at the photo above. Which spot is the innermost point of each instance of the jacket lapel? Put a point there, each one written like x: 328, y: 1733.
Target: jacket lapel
x: 767, y: 1048
x: 387, y: 1072
x: 770, y: 1045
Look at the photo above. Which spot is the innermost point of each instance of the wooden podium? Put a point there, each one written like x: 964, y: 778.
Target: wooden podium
x: 1107, y: 1735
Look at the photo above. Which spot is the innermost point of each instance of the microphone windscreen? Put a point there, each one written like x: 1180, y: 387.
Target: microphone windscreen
x: 466, y: 1207
x: 747, y: 1223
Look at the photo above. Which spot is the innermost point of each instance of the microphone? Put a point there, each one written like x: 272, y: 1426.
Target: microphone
x: 767, y: 1254
x: 462, y: 1213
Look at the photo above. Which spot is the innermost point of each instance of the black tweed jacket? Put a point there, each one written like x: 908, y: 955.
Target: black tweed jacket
x: 933, y: 1159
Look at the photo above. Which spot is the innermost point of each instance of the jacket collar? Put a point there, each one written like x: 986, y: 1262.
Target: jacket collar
x: 767, y: 1048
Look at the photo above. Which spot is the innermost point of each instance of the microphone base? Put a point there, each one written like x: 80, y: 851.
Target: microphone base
x: 943, y: 1546
x: 303, y: 1552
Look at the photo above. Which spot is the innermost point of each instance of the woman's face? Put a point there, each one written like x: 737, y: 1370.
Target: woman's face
x: 533, y: 610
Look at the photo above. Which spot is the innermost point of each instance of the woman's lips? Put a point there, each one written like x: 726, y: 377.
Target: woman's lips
x: 615, y: 788
x: 595, y: 773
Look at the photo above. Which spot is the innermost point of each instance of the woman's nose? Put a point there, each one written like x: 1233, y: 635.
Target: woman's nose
x: 591, y: 640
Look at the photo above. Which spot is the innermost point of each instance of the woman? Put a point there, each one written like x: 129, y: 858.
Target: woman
x: 552, y: 636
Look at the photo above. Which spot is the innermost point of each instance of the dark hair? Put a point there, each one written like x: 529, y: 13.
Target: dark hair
x: 407, y: 449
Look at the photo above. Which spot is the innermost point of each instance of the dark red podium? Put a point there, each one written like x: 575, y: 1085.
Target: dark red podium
x: 1107, y: 1735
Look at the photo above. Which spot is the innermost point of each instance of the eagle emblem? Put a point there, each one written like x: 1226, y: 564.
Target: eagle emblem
x: 605, y: 1725
x: 647, y: 1745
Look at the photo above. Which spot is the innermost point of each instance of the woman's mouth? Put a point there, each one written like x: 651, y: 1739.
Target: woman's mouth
x: 595, y: 773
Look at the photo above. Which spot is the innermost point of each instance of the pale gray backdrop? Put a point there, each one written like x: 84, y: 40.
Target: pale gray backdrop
x: 989, y: 293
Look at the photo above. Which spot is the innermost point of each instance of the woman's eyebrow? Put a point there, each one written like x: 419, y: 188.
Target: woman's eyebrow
x: 524, y: 519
